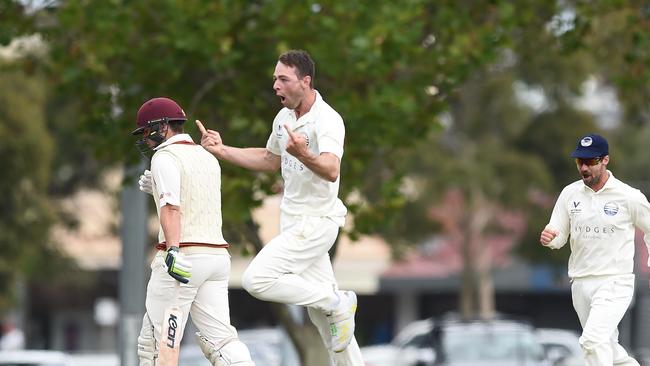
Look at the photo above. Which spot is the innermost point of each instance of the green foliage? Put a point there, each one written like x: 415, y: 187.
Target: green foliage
x: 216, y: 58
x: 618, y: 39
x: 552, y: 136
x: 26, y: 150
x: 25, y: 155
x: 14, y: 21
x: 391, y: 72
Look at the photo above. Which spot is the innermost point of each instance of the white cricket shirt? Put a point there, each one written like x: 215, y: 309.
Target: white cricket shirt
x: 305, y: 193
x: 601, y: 226
x: 166, y: 173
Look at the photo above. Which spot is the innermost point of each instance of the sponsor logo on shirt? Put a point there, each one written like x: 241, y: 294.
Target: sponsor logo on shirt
x: 292, y: 163
x: 278, y: 132
x: 575, y: 209
x: 588, y: 229
x: 610, y: 208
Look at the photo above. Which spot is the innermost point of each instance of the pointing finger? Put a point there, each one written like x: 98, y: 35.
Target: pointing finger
x: 291, y: 135
x: 200, y: 126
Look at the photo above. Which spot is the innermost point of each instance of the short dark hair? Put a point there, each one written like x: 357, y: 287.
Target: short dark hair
x: 302, y: 61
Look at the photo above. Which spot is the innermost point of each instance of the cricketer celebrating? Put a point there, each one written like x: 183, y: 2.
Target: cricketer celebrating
x: 192, y: 265
x: 599, y: 213
x: 306, y: 144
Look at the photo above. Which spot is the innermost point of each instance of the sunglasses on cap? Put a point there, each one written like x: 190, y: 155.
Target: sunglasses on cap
x: 589, y: 161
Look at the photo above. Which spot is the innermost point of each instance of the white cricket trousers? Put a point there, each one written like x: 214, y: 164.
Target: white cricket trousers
x: 295, y: 268
x: 601, y: 303
x: 204, y: 297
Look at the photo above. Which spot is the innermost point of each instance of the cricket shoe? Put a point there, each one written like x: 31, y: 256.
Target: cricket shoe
x: 341, y: 321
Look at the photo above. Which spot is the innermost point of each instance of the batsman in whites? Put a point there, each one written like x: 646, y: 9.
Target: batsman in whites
x: 190, y: 271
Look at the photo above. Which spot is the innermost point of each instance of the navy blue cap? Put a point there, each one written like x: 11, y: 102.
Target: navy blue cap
x: 591, y: 146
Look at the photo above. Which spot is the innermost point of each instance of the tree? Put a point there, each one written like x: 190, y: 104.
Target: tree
x: 26, y: 149
x: 615, y: 35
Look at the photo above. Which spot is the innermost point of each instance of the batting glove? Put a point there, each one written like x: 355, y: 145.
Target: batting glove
x: 145, y: 182
x: 177, y: 266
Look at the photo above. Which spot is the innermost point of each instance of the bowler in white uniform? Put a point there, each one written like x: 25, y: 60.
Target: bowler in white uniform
x: 306, y: 144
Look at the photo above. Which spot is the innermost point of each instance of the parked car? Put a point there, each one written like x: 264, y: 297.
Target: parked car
x: 33, y: 358
x: 451, y: 342
x: 561, y: 346
x: 268, y: 347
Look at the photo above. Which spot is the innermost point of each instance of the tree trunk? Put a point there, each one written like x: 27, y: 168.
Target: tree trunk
x: 477, y: 288
x: 483, y: 277
x: 486, y: 295
x: 467, y: 287
x: 304, y: 336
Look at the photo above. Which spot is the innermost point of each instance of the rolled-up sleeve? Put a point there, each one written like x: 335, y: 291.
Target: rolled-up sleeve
x: 331, y: 137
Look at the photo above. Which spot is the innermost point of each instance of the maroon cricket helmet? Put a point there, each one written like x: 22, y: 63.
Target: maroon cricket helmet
x: 158, y: 110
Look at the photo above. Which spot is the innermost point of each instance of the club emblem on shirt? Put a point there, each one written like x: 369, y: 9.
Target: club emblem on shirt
x: 611, y: 208
x: 306, y: 138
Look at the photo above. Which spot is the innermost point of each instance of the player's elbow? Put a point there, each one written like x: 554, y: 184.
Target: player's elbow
x: 330, y: 167
x: 271, y: 161
x: 331, y: 175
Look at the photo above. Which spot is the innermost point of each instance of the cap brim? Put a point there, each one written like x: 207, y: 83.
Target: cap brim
x: 585, y: 154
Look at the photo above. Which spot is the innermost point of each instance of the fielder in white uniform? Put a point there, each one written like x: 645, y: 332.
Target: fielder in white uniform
x: 599, y: 213
x: 306, y: 143
x: 192, y: 265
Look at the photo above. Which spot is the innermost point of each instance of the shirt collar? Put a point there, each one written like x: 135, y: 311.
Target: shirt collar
x: 612, y: 182
x: 311, y: 114
x: 174, y: 139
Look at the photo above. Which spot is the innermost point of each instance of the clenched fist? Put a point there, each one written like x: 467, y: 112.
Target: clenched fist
x: 547, y: 236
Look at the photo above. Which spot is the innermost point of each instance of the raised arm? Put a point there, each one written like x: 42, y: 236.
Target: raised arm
x: 253, y: 158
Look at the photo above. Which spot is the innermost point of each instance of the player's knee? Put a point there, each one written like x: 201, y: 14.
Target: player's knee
x: 590, y: 344
x: 252, y: 282
x: 147, y: 352
x: 229, y: 352
x: 236, y: 353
